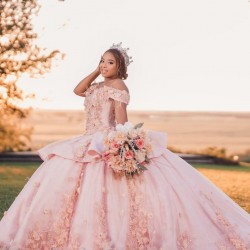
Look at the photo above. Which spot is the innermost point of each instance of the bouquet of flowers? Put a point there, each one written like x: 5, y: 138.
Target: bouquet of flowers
x: 126, y: 149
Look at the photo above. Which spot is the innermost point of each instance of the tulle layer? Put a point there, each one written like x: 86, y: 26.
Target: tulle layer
x: 70, y: 204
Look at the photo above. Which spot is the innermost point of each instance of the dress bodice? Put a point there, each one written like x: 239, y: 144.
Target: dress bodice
x: 100, y: 107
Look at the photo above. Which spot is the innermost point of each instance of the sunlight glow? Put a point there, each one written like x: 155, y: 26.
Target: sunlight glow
x: 183, y: 58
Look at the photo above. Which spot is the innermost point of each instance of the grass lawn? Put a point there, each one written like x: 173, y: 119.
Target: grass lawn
x: 233, y: 180
x: 13, y: 176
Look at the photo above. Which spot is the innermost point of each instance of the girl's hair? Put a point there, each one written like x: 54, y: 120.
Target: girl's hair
x: 122, y: 68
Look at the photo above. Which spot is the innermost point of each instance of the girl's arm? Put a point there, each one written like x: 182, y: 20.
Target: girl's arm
x: 84, y: 84
x: 120, y: 112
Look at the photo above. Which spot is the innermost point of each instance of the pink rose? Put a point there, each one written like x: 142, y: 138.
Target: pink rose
x: 105, y: 156
x: 139, y: 143
x: 129, y: 154
x: 115, y: 145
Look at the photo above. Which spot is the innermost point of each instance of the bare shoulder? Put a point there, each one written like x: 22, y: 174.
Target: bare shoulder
x: 119, y: 84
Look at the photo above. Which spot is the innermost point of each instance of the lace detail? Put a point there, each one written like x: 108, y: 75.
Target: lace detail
x: 101, y: 240
x: 57, y: 235
x: 138, y: 236
x: 90, y: 89
x: 100, y: 108
x: 231, y: 236
x: 118, y: 95
x: 184, y: 241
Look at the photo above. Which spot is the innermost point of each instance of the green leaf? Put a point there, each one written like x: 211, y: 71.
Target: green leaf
x: 138, y: 125
x: 141, y: 167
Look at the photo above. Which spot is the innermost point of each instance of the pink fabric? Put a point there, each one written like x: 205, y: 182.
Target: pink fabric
x: 100, y: 107
x: 73, y: 201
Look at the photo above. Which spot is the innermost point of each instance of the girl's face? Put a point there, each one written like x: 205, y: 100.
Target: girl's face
x: 108, y: 66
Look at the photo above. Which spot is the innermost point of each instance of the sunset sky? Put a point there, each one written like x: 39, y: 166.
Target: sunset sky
x: 188, y: 55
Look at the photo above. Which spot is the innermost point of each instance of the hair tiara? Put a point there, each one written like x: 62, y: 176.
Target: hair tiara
x: 127, y: 58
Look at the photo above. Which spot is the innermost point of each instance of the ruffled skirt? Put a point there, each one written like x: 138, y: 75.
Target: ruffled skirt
x: 73, y: 201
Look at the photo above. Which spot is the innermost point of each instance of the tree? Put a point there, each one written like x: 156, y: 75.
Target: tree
x: 18, y: 54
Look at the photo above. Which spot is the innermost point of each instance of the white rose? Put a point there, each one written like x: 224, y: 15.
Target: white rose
x: 124, y: 127
x: 140, y: 157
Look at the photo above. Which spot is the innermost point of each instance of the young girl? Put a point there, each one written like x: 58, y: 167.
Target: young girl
x: 76, y: 199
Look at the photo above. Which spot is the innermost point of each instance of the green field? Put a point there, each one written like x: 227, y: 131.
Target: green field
x: 12, y: 179
x: 233, y: 180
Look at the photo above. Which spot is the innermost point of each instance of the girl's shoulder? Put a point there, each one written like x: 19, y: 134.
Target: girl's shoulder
x: 119, y: 84
x: 118, y: 91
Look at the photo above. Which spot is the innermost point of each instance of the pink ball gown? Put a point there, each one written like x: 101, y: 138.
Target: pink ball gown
x: 73, y: 201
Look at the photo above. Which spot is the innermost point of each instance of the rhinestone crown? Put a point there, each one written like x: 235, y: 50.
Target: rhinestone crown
x: 127, y: 58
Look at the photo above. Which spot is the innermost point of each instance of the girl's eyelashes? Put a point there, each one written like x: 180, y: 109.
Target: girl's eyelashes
x: 102, y: 61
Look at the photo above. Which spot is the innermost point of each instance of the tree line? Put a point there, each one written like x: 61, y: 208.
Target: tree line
x: 19, y: 54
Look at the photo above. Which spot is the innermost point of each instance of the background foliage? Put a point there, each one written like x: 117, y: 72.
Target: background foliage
x: 18, y: 54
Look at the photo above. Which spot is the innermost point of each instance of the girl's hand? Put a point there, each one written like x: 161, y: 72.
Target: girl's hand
x: 84, y: 84
x: 98, y: 68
